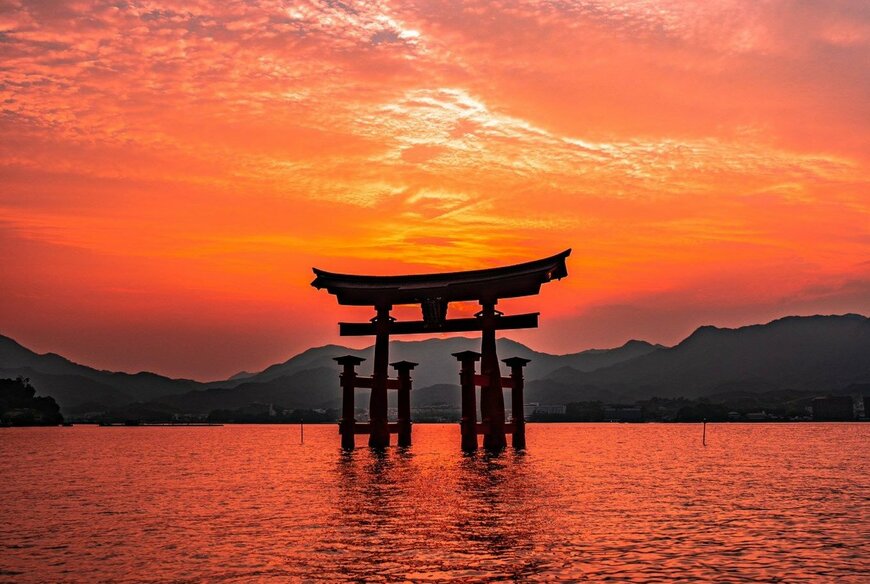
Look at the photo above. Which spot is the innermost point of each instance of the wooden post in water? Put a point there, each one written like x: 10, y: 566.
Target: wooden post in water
x: 468, y: 425
x: 403, y: 369
x: 379, y: 436
x: 704, y: 435
x: 347, y: 424
x: 491, y: 396
x: 516, y: 364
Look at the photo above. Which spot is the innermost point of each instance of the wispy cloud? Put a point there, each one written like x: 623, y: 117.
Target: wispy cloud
x: 219, y: 143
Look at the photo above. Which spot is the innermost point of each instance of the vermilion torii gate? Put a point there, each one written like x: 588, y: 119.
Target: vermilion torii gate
x: 434, y: 292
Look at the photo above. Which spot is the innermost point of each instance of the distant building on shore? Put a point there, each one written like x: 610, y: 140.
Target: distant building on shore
x: 258, y: 409
x: 623, y: 414
x: 761, y: 416
x: 838, y: 408
x: 536, y: 408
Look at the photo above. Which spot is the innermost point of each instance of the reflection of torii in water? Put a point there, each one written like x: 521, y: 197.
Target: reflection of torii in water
x: 433, y: 292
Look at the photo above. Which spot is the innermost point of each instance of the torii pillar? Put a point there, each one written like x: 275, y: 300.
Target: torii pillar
x: 379, y: 436
x: 491, y: 396
x: 519, y: 416
x: 347, y: 424
x: 468, y: 423
x: 403, y: 370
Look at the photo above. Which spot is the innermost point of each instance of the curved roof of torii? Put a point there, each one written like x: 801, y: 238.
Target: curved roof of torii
x: 489, y: 284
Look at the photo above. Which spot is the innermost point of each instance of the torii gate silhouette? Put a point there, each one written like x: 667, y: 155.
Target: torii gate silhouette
x: 434, y: 292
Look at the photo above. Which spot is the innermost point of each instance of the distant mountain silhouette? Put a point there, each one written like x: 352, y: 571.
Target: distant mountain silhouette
x: 308, y: 359
x: 309, y: 379
x: 72, y: 384
x: 806, y: 354
x: 436, y: 364
x: 442, y: 394
x: 73, y: 392
x: 818, y: 353
x: 306, y: 389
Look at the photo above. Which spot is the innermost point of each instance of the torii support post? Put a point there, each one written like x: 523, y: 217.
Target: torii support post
x: 491, y: 397
x: 379, y: 436
x: 468, y: 425
x: 403, y: 369
x: 519, y: 418
x: 347, y: 425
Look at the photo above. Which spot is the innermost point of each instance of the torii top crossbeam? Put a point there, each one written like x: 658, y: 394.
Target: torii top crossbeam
x: 493, y: 283
x: 434, y: 291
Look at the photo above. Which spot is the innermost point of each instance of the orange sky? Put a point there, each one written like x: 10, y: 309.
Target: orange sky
x: 170, y: 171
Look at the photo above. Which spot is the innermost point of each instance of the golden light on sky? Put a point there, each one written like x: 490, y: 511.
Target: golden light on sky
x: 170, y: 171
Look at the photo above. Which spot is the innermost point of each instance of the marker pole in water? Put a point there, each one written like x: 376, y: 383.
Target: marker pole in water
x: 301, y: 431
x: 704, y: 435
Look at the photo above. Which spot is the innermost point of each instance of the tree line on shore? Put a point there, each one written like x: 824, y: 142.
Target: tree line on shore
x: 19, y: 405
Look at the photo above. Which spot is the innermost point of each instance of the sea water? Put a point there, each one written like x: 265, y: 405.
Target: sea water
x: 625, y: 502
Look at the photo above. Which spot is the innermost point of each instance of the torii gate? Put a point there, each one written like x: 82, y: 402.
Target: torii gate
x: 434, y: 292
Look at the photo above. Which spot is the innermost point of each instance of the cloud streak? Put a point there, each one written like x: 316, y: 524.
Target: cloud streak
x: 207, y: 154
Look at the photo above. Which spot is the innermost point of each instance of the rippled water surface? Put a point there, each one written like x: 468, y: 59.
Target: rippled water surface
x: 250, y: 503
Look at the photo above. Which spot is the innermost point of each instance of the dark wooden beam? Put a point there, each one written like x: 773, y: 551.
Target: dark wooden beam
x: 361, y: 382
x: 505, y: 282
x: 454, y: 325
x: 483, y: 381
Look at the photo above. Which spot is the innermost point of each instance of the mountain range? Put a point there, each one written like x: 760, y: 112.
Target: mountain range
x: 814, y: 354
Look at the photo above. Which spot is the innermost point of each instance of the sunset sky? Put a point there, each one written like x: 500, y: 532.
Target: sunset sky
x: 171, y: 171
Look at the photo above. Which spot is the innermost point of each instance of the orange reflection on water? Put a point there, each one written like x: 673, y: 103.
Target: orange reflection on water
x: 625, y: 502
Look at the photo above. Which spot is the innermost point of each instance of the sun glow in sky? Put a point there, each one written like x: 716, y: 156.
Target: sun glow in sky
x: 170, y: 171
